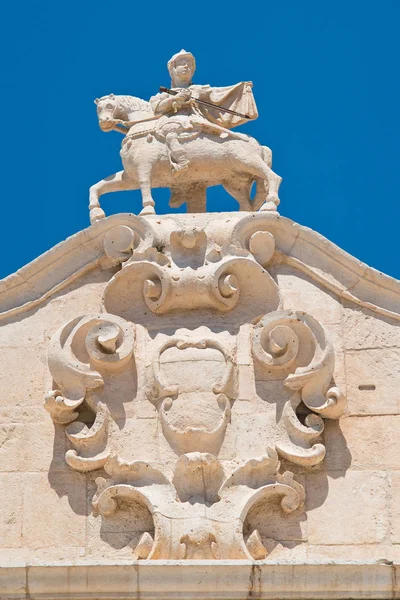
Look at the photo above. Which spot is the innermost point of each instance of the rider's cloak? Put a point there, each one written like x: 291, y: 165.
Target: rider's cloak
x: 237, y: 97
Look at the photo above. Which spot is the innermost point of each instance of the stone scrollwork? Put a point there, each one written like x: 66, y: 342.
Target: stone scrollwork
x: 254, y: 234
x: 177, y: 398
x: 200, y: 513
x: 297, y: 346
x: 294, y: 347
x: 121, y: 241
x: 191, y: 272
x: 207, y: 390
x: 107, y: 342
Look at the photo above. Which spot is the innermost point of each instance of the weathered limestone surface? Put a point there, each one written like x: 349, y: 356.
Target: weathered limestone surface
x: 179, y: 357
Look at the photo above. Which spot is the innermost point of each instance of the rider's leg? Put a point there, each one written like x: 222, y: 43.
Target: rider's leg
x: 218, y: 130
x: 114, y: 183
x: 177, y: 155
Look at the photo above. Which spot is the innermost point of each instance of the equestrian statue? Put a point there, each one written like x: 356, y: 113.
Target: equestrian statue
x: 182, y: 139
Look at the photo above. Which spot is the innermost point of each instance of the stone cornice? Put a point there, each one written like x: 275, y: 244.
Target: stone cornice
x: 296, y: 246
x: 225, y: 580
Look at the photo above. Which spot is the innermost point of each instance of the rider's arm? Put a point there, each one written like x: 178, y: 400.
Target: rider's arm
x: 165, y: 103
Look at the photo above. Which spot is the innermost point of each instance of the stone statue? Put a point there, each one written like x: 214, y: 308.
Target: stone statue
x: 182, y: 139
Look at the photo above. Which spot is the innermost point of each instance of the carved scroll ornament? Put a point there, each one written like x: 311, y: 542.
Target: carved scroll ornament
x: 190, y: 272
x: 107, y: 342
x: 193, y: 382
x: 294, y: 347
x: 199, y: 514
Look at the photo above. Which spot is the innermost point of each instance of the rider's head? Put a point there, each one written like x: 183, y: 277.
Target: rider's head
x: 181, y: 67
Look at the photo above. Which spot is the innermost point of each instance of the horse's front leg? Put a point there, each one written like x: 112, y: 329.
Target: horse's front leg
x: 114, y: 183
x: 144, y: 179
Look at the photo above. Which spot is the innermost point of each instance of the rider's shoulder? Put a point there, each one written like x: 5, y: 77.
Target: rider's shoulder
x: 157, y: 97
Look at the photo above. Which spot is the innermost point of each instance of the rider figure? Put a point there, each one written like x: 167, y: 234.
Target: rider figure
x: 183, y: 116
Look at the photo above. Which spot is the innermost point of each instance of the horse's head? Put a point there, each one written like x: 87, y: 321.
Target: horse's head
x: 124, y: 108
x: 106, y: 108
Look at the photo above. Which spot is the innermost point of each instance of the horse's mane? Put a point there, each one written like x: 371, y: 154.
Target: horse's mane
x: 129, y: 103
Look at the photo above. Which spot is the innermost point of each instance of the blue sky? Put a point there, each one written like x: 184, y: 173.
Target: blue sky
x: 326, y: 83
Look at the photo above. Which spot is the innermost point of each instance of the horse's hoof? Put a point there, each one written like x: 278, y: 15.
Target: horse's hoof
x: 271, y: 204
x: 96, y: 214
x: 148, y: 210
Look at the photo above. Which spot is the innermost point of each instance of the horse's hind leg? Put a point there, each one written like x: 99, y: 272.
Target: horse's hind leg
x: 259, y: 168
x: 274, y: 182
x: 114, y: 183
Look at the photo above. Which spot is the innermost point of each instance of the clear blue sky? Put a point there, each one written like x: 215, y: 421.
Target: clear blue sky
x: 326, y: 82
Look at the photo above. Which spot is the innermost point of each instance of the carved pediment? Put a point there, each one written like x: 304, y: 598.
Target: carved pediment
x: 193, y: 319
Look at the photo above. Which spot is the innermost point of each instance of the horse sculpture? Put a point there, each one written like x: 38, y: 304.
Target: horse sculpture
x: 236, y: 161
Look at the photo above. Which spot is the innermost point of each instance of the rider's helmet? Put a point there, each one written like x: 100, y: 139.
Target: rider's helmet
x: 182, y: 54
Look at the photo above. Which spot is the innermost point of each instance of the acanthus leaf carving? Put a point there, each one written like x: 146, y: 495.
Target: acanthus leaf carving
x: 294, y: 347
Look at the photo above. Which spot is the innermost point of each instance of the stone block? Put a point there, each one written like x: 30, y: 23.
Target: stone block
x: 252, y: 434
x: 358, y: 553
x: 13, y: 582
x: 364, y: 329
x: 77, y: 581
x: 347, y: 508
x: 300, y: 293
x: 395, y: 508
x: 38, y: 446
x: 136, y: 439
x: 11, y: 510
x: 54, y: 510
x: 373, y: 381
x: 22, y: 375
x: 363, y: 443
x: 21, y: 414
